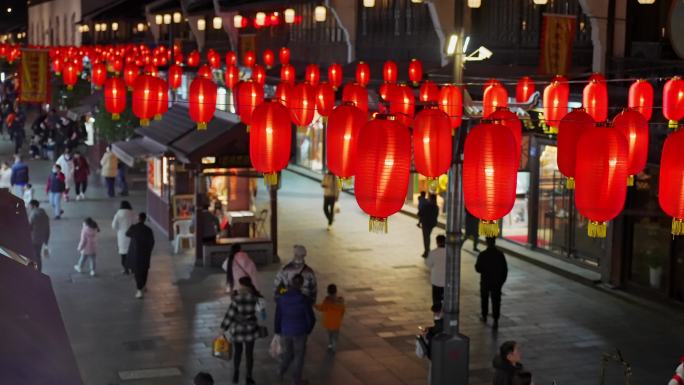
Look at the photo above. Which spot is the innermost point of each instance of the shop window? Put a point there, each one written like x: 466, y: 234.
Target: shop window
x: 650, y: 252
x: 222, y: 100
x: 310, y: 144
x: 514, y: 226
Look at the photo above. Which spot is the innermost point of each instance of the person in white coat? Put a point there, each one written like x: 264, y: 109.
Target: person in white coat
x: 123, y: 220
x: 436, y: 262
x: 66, y: 162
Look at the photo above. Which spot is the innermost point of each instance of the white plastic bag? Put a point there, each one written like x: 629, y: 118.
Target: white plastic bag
x: 45, y: 251
x: 275, y: 349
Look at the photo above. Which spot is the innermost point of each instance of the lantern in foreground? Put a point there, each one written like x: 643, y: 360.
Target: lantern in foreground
x: 270, y: 139
x: 595, y: 100
x: 451, y: 102
x: 389, y: 71
x: 287, y: 74
x: 325, y: 98
x: 202, y: 101
x: 312, y: 74
x: 284, y: 55
x: 432, y: 148
x: 673, y: 101
x: 70, y: 75
x: 115, y: 97
x: 354, y: 93
x: 510, y: 120
x: 495, y: 96
x: 641, y: 97
x: 634, y: 127
x: 415, y: 71
x: 144, y: 99
x: 283, y: 93
x: 600, y: 175
x: 232, y: 76
x: 249, y: 95
x: 342, y: 134
x: 335, y: 75
x: 489, y: 175
x: 205, y: 72
x: 570, y: 129
x: 382, y: 169
x: 555, y: 104
x: 175, y: 76
x: 130, y: 73
x: 269, y: 58
x: 428, y: 92
x: 162, y: 99
x: 671, y: 184
x: 402, y: 103
x: 362, y: 73
x: 259, y: 74
x: 98, y: 75
x: 524, y: 89
x: 303, y: 104
x: 250, y: 59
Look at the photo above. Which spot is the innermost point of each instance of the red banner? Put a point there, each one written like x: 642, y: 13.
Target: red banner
x: 557, y: 36
x: 34, y: 76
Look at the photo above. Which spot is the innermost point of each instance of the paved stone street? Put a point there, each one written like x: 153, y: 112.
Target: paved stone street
x: 563, y: 326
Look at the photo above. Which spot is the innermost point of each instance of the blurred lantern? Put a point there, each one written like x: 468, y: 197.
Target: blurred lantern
x: 428, y: 92
x: 287, y: 74
x: 595, y: 100
x: 357, y: 95
x: 600, y: 175
x: 162, y: 99
x: 641, y: 97
x: 116, y: 64
x: 57, y: 65
x: 202, y: 101
x: 270, y: 139
x: 335, y: 75
x: 178, y: 58
x: 269, y: 58
x: 115, y: 97
x: 70, y: 75
x: 150, y: 70
x: 283, y: 93
x: 415, y: 71
x: 495, y: 96
x: 671, y: 181
x: 432, y: 148
x: 175, y: 76
x: 508, y: 119
x: 451, y: 102
x: 524, y: 89
x: 259, y: 74
x: 205, y: 72
x: 325, y: 98
x: 382, y: 169
x: 231, y: 58
x: 145, y: 98
x: 489, y: 175
x: 250, y: 59
x: 570, y: 129
x: 342, y: 134
x: 385, y: 90
x: 249, y: 95
x: 673, y: 101
x: 389, y: 72
x: 214, y: 59
x: 555, y: 104
x: 597, y: 77
x: 98, y: 75
x: 362, y: 73
x: 284, y: 55
x: 312, y: 74
x: 303, y: 104
x: 402, y: 104
x: 634, y: 127
x: 193, y: 59
x: 232, y: 76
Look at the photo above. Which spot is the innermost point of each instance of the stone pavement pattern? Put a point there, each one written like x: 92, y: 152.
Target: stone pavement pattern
x: 563, y: 326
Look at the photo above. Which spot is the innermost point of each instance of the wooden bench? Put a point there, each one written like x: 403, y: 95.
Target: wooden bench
x: 259, y: 249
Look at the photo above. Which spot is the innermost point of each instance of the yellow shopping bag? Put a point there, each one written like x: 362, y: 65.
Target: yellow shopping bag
x: 222, y: 347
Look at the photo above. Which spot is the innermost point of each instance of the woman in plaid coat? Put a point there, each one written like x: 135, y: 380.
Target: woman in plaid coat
x: 241, y: 323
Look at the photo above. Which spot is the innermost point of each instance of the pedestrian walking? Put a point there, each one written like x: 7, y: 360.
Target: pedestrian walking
x: 422, y: 198
x: 331, y: 193
x: 121, y: 178
x: 294, y: 321
x: 140, y: 252
x: 203, y: 378
x: 66, y: 162
x: 241, y: 324
x: 436, y: 262
x: 296, y: 267
x: 428, y: 220
x: 238, y: 265
x: 493, y: 269
x: 5, y: 176
x: 471, y: 229
x: 20, y: 176
x: 87, y: 246
x: 108, y: 164
x: 28, y: 194
x: 55, y: 189
x: 507, y: 364
x: 333, y: 309
x: 123, y: 220
x: 81, y: 173
x: 39, y: 223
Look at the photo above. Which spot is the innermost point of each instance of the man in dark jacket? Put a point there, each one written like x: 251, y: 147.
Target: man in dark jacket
x: 427, y: 215
x: 140, y: 252
x: 507, y: 364
x: 294, y: 321
x: 55, y: 187
x: 40, y: 230
x: 493, y: 269
x: 20, y: 176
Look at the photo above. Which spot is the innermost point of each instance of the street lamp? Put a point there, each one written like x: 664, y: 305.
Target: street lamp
x: 320, y: 13
x: 201, y: 24
x: 289, y: 15
x: 217, y: 22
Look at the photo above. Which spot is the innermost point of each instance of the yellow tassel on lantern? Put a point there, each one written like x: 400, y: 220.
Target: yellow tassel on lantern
x: 69, y: 88
x: 144, y: 122
x: 157, y: 117
x: 672, y: 124
x: 488, y: 229
x: 201, y: 126
x: 377, y: 225
x: 597, y: 229
x: 630, y: 180
x: 677, y: 226
x: 271, y: 179
x: 116, y: 116
x: 343, y: 182
x: 247, y: 129
x: 570, y: 183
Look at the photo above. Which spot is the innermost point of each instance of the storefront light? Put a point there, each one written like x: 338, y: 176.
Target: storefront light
x: 201, y: 24
x: 540, y: 2
x: 177, y: 17
x: 369, y: 3
x: 260, y: 19
x: 417, y: 1
x: 158, y: 19
x: 167, y: 18
x: 237, y: 21
x: 474, y: 3
x: 320, y: 13
x: 115, y: 26
x: 103, y: 27
x: 289, y: 15
x: 217, y: 22
x: 141, y: 27
x: 646, y: 1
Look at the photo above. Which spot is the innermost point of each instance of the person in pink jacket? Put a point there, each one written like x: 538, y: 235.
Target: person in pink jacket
x: 239, y: 265
x: 87, y: 246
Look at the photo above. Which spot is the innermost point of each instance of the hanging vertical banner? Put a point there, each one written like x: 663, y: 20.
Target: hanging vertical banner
x: 34, y: 76
x: 557, y: 36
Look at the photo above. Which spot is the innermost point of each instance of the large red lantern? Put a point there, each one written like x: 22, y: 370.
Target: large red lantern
x: 382, y: 169
x: 671, y: 184
x: 428, y: 92
x: 144, y: 98
x: 303, y: 104
x: 283, y: 93
x: 489, y: 175
x: 595, y: 100
x: 70, y: 75
x: 354, y: 93
x: 232, y: 76
x: 249, y: 95
x: 510, y: 120
x: 193, y: 59
x: 325, y: 99
x: 634, y: 127
x: 451, y: 102
x: 402, y: 103
x: 284, y: 55
x: 362, y: 73
x: 259, y: 74
x: 555, y: 104
x: 342, y: 133
x: 389, y: 71
x: 673, y: 101
x: 162, y: 99
x: 641, y: 97
x: 495, y: 96
x: 269, y: 58
x: 250, y: 59
x: 98, y: 75
x: 231, y: 58
x: 130, y: 73
x: 432, y: 148
x: 524, y: 89
x: 335, y: 75
x: 312, y: 74
x: 270, y: 139
x: 600, y: 175
x: 115, y: 97
x: 175, y: 76
x: 287, y: 74
x: 202, y: 101
x: 415, y: 71
x: 570, y: 129
x: 205, y: 72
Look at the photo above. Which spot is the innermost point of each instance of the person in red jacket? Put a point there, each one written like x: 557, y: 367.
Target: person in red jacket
x: 81, y: 172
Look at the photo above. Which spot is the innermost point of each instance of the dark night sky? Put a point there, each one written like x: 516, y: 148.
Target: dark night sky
x: 18, y: 16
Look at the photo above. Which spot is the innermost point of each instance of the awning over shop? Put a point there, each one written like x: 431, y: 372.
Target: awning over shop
x: 225, y: 136
x: 86, y: 105
x: 130, y: 150
x: 173, y: 125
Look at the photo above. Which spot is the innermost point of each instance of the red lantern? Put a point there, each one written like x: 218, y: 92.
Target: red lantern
x: 231, y: 58
x: 342, y: 134
x: 495, y: 96
x: 600, y: 175
x: 214, y: 59
x: 524, y: 89
x: 162, y: 98
x: 382, y: 170
x: 671, y: 185
x: 312, y: 74
x: 175, y: 76
x: 595, y: 100
x: 489, y: 175
x: 570, y: 129
x: 303, y: 104
x: 249, y: 95
x: 415, y: 71
x: 335, y: 75
x: 428, y: 92
x: 232, y: 76
x: 362, y: 73
x: 193, y: 59
x: 451, y: 102
x: 205, y: 72
x: 270, y: 139
x: 354, y: 93
x: 325, y: 99
x: 597, y: 77
x: 129, y: 75
x: 144, y: 98
x: 70, y: 75
x: 635, y: 129
x: 250, y: 59
x: 287, y: 74
x: 117, y: 64
x: 432, y: 149
x: 259, y: 74
x: 555, y: 103
x: 389, y: 71
x: 283, y: 93
x: 115, y: 97
x: 673, y: 101
x: 202, y: 101
x: 269, y: 58
x: 641, y: 97
x: 57, y: 65
x: 98, y: 75
x: 510, y: 120
x: 150, y: 70
x: 284, y: 55
x: 402, y: 103
x: 385, y: 90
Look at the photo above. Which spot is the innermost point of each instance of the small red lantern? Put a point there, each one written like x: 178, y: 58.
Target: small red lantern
x: 175, y: 76
x: 451, y: 102
x: 671, y: 184
x: 270, y: 139
x: 595, y: 100
x: 284, y: 55
x: 250, y: 59
x: 205, y: 72
x: 570, y: 129
x: 312, y: 74
x: 432, y: 148
x: 489, y: 175
x: 389, y: 72
x: 428, y: 92
x: 287, y: 74
x: 335, y: 75
x: 232, y: 76
x: 342, y: 134
x: 117, y: 64
x: 202, y: 101
x: 249, y: 95
x: 213, y: 59
x: 115, y: 97
x: 555, y: 104
x: 162, y: 99
x: 641, y: 97
x: 382, y: 169
x: 402, y: 104
x: 193, y: 59
x: 673, y: 101
x: 129, y: 75
x: 635, y: 129
x: 70, y: 75
x: 415, y: 71
x: 283, y: 93
x: 231, y: 58
x: 524, y: 89
x: 144, y: 98
x: 597, y: 77
x: 362, y: 73
x: 354, y: 93
x: 98, y: 75
x: 510, y: 120
x: 57, y: 65
x: 150, y: 70
x: 269, y: 58
x: 600, y: 175
x: 259, y: 74
x: 495, y: 96
x: 325, y: 99
x: 303, y: 104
